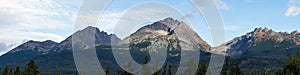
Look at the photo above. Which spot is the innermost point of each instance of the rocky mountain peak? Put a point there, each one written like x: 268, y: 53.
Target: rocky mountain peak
x: 242, y: 43
x: 167, y: 31
x: 49, y: 42
x: 295, y: 32
x: 84, y: 38
x: 39, y: 42
x: 170, y: 21
x: 260, y: 29
x: 35, y: 46
x: 89, y: 28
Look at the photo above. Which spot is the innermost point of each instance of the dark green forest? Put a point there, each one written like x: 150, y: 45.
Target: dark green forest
x: 231, y: 67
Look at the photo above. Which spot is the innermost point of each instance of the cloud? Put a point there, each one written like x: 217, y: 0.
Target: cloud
x: 294, y: 8
x: 292, y: 11
x: 17, y: 36
x: 109, y: 20
x: 35, y: 19
x: 222, y: 5
x: 5, y: 47
x: 2, y: 46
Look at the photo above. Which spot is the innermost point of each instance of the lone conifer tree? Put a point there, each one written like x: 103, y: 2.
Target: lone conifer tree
x: 5, y: 71
x: 17, y: 71
x: 170, y: 70
x: 31, y: 69
x: 202, y: 68
x: 10, y: 72
x: 107, y: 71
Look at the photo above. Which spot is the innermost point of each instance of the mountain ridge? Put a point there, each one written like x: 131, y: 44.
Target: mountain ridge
x: 43, y: 46
x: 49, y: 45
x: 239, y: 44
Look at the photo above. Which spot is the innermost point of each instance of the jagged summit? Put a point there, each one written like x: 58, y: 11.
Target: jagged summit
x: 240, y: 44
x: 260, y: 29
x: 295, y: 32
x: 170, y: 21
x: 84, y: 38
x: 167, y: 30
x: 49, y: 41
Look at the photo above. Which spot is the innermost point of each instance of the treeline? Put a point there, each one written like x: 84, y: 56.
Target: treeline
x: 231, y: 67
x: 291, y: 67
x: 30, y: 69
x: 166, y: 70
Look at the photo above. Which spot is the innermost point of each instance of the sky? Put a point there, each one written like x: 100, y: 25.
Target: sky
x: 54, y: 19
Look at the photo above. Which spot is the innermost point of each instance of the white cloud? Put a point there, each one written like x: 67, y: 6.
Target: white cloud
x: 222, y: 5
x: 109, y: 20
x: 292, y: 11
x: 294, y: 8
x: 5, y: 47
x: 17, y: 36
x: 35, y: 19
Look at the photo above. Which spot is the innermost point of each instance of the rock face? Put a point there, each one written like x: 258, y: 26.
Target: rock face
x: 240, y: 44
x: 169, y: 33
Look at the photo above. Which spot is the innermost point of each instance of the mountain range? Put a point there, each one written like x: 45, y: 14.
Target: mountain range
x: 252, y: 48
